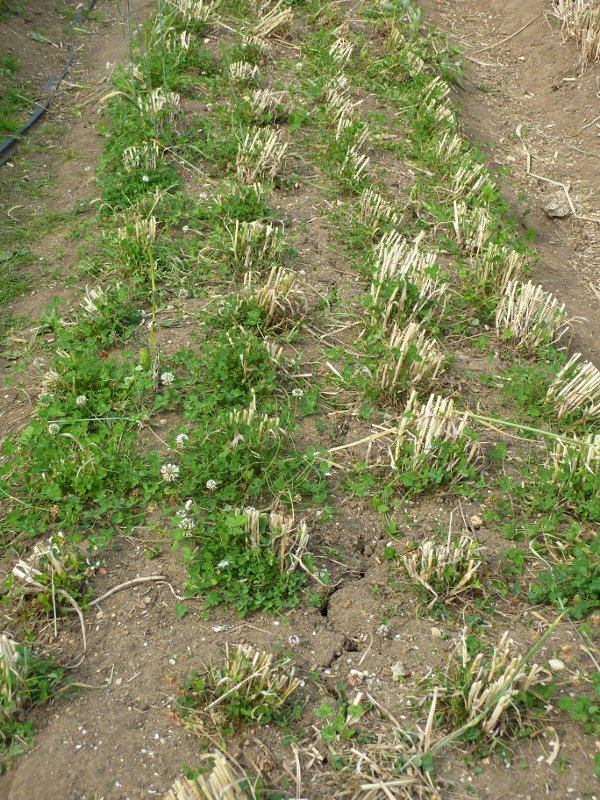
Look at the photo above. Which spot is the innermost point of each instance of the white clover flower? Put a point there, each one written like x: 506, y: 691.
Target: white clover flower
x: 80, y: 400
x: 223, y: 564
x: 294, y: 640
x: 53, y: 428
x: 211, y: 485
x: 297, y: 392
x: 167, y: 378
x: 187, y: 524
x: 383, y: 631
x: 188, y: 505
x: 169, y: 472
x: 181, y: 439
x: 145, y: 178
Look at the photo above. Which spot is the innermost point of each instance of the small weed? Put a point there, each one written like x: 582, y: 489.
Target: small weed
x: 25, y: 681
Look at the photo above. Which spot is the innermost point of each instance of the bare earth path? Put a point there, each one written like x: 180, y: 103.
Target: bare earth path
x: 535, y: 80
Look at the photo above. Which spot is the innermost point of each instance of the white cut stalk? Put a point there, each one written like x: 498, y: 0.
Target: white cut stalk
x: 195, y: 10
x: 336, y: 86
x: 221, y: 783
x: 141, y: 157
x: 497, y: 265
x: 287, y: 538
x: 412, y: 359
x: 94, y: 300
x: 469, y: 179
x: 13, y: 671
x: 255, y: 243
x: 449, y: 146
x: 572, y: 461
x: 531, y: 316
x: 452, y: 566
x: 341, y: 51
x: 433, y: 434
x: 141, y: 230
x: 177, y: 43
x: 161, y: 105
x: 260, y: 155
x: 414, y: 61
x: 398, y: 264
x: 48, y: 559
x: 495, y: 682
x: 341, y: 107
x: 262, y: 425
x: 275, y: 678
x: 471, y: 227
x: 275, y: 351
x: 355, y: 163
x: 242, y: 72
x: 375, y: 211
x: 577, y: 388
x: 279, y: 298
x: 436, y: 101
x: 266, y: 101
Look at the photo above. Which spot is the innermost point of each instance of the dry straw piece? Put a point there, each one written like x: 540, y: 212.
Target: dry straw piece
x: 279, y: 298
x: 432, y: 434
x: 47, y: 559
x: 275, y: 351
x: 577, y: 388
x: 581, y: 20
x: 256, y: 678
x: 274, y: 20
x: 221, y: 783
x: 449, y: 146
x: 444, y: 570
x: 260, y: 155
x: 94, y: 300
x: 531, y: 316
x: 413, y: 359
x: 355, y: 162
x: 339, y: 104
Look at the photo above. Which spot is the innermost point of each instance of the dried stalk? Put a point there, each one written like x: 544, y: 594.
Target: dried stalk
x: 577, y: 388
x: 530, y: 316
x: 413, y: 359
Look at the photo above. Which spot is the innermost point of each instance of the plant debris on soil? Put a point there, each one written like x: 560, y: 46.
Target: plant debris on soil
x: 300, y: 455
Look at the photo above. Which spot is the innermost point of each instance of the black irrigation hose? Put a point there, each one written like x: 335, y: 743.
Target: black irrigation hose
x: 51, y: 87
